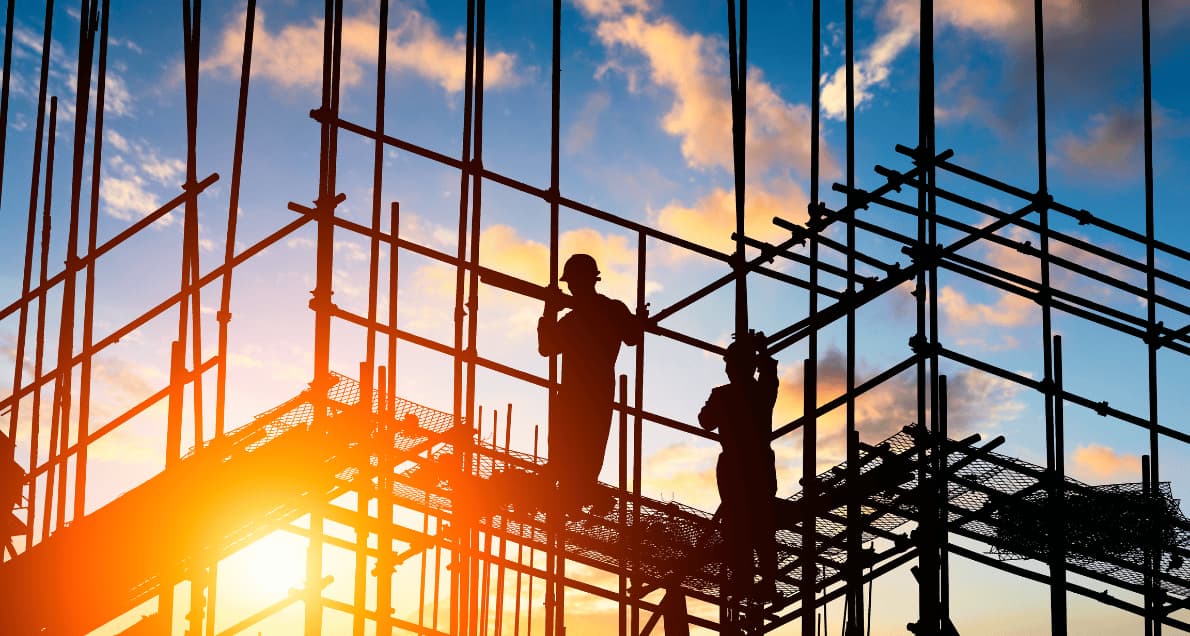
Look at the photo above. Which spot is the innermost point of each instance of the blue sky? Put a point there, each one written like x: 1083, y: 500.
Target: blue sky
x: 645, y: 134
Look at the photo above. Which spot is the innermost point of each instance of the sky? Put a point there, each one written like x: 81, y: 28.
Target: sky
x: 645, y: 133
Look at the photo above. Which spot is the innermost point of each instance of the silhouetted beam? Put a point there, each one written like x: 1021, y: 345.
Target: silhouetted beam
x: 767, y: 247
x: 1101, y: 408
x: 514, y: 372
x: 1102, y: 597
x: 294, y: 596
x: 1025, y: 287
x: 544, y: 194
x: 905, y: 555
x: 150, y: 531
x: 862, y: 388
x: 1018, y: 246
x: 1069, y: 240
x: 838, y: 247
x: 160, y: 308
x: 98, y: 433
x: 79, y: 264
x: 816, y: 227
x: 496, y: 279
x: 997, y: 499
x: 523, y: 568
x: 795, y: 332
x: 1082, y: 216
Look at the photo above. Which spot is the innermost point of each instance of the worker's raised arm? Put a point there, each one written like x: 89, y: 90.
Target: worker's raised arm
x: 767, y: 379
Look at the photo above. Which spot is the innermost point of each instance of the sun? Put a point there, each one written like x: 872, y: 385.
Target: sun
x: 265, y: 570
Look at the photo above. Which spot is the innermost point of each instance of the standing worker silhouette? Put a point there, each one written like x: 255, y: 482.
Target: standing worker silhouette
x: 742, y: 410
x: 588, y: 339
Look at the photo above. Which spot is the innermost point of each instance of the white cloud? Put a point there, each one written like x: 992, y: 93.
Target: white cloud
x: 690, y: 67
x: 127, y: 199
x: 874, y: 67
x: 710, y: 221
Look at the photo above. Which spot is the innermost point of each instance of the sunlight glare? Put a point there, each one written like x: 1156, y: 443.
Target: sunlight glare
x: 267, y: 569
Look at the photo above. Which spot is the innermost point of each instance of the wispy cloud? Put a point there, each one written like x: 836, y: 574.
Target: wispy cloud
x: 135, y: 178
x: 1009, y: 310
x: 972, y: 321
x: 710, y: 221
x: 291, y: 56
x: 63, y: 76
x: 582, y: 132
x: 1110, y: 146
x: 690, y: 68
x: 1089, y: 47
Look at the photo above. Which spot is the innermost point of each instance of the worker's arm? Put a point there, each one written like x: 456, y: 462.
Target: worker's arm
x: 767, y: 379
x: 547, y: 335
x: 631, y: 326
x: 711, y: 414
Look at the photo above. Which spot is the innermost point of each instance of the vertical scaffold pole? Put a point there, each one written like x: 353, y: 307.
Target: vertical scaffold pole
x: 223, y: 317
x: 809, y: 569
x: 4, y: 92
x: 638, y: 417
x: 475, y: 167
x: 555, y: 594
x: 1155, y: 599
x: 64, y: 372
x: 192, y: 17
x: 738, y: 68
x: 39, y: 344
x: 321, y: 303
x: 31, y: 227
x: 80, y: 486
x: 1057, y: 568
x: 737, y: 47
x: 460, y: 559
x: 855, y: 582
x: 191, y: 24
x: 931, y: 480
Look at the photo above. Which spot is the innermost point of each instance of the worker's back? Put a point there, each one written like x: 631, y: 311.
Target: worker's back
x: 588, y: 338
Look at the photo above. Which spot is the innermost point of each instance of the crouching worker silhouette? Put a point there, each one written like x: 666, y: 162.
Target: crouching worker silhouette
x: 742, y: 410
x: 588, y: 339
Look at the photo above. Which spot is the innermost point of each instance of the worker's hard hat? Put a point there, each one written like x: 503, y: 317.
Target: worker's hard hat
x: 580, y: 267
x: 746, y: 348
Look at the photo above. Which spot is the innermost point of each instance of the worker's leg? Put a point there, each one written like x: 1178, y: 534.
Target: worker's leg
x: 733, y: 510
x: 763, y: 527
x: 564, y: 446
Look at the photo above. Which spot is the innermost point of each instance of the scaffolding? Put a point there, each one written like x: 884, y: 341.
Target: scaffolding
x: 433, y: 490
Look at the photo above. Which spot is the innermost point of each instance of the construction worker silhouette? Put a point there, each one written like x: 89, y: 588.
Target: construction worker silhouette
x: 12, y: 479
x: 742, y: 411
x: 588, y: 339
